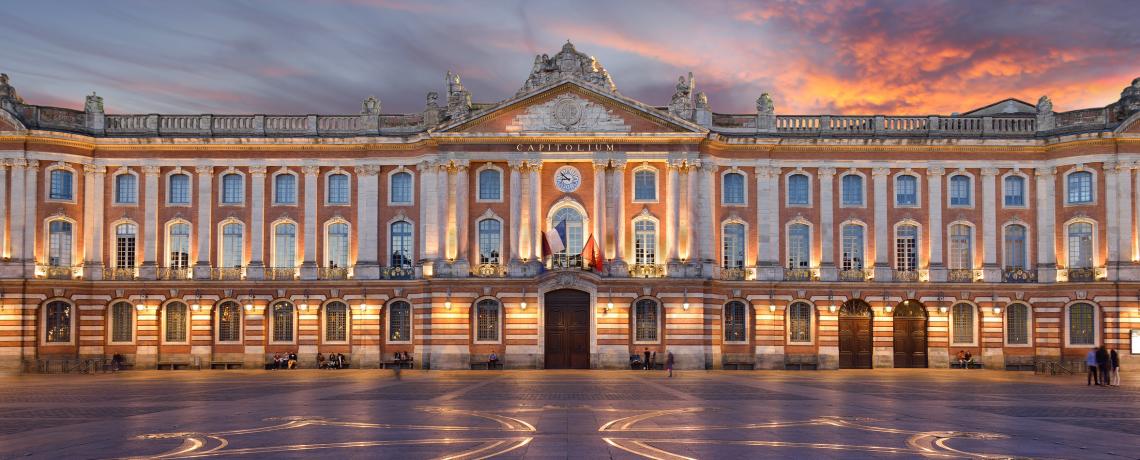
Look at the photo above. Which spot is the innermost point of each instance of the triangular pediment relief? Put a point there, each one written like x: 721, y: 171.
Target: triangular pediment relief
x: 570, y: 107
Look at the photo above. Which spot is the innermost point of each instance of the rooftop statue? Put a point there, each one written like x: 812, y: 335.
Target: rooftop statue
x: 93, y: 104
x: 7, y: 91
x: 764, y: 105
x: 370, y: 106
x: 1129, y: 102
x: 568, y: 63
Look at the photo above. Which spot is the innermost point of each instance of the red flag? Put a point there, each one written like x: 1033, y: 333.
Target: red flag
x: 592, y: 255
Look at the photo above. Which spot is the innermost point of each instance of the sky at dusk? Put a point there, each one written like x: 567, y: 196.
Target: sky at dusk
x: 325, y: 56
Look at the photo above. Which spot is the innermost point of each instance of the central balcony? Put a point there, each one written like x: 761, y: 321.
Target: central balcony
x: 963, y: 275
x: 227, y: 273
x: 489, y: 271
x: 854, y: 275
x: 398, y: 272
x: 646, y: 271
x: 55, y: 272
x: 281, y: 273
x: 1085, y: 274
x: 174, y: 273
x: 332, y: 273
x: 800, y: 274
x: 1018, y: 275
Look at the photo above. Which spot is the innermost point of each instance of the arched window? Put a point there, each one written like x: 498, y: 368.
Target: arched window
x: 487, y: 320
x: 57, y: 322
x: 282, y: 321
x: 126, y: 189
x: 401, y: 243
x: 645, y: 185
x: 734, y: 188
x: 961, y: 247
x: 399, y: 321
x: 122, y: 322
x: 232, y: 246
x: 490, y: 185
x: 799, y: 246
x: 906, y: 248
x: 401, y: 188
x: 1080, y: 187
x: 125, y: 237
x: 284, y: 245
x: 960, y: 190
x: 1082, y: 324
x: 962, y: 324
x: 906, y: 191
x: 852, y: 190
x: 59, y: 243
x: 732, y: 255
x: 735, y: 322
x: 644, y: 242
x: 178, y: 189
x: 284, y: 189
x: 799, y: 322
x: 233, y: 189
x: 338, y: 189
x: 336, y: 244
x: 1014, y: 191
x: 490, y: 241
x: 572, y: 219
x: 336, y: 322
x: 229, y: 322
x: 1017, y: 324
x: 646, y: 320
x: 799, y: 190
x: 178, y: 241
x: 61, y: 185
x: 1016, y: 251
x: 852, y: 247
x: 1080, y: 245
x: 176, y: 322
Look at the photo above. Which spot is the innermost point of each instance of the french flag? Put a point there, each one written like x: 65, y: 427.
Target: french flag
x: 554, y: 238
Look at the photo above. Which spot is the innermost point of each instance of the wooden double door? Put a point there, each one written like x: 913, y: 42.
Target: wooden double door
x: 855, y: 335
x: 567, y: 313
x: 910, y: 334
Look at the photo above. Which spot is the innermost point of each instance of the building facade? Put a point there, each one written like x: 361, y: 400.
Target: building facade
x: 759, y: 239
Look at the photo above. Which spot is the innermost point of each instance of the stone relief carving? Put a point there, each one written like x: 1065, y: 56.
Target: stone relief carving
x: 568, y: 113
x: 568, y: 63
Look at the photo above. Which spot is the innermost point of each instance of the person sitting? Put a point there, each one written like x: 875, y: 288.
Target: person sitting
x: 961, y: 358
x: 492, y: 360
x: 969, y: 360
x: 320, y: 360
x: 116, y: 362
x: 408, y: 359
x: 291, y: 362
x: 340, y: 361
x: 635, y: 361
x: 277, y: 361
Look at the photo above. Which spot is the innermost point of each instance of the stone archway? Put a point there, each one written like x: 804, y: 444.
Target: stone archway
x: 910, y: 334
x: 855, y: 335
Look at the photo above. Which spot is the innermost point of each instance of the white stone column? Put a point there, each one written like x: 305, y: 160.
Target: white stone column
x: 768, y: 220
x: 672, y: 215
x: 1127, y: 270
x: 1112, y: 226
x: 707, y: 228
x: 691, y: 218
x: 882, y: 227
x: 17, y: 223
x: 367, y: 231
x: 429, y: 216
x: 256, y: 268
x: 462, y: 218
x: 91, y: 200
x: 522, y: 227
x: 309, y: 265
x: 1046, y: 224
x: 447, y: 201
x: 514, y: 198
x: 4, y: 251
x: 149, y: 268
x: 205, y: 205
x: 934, y: 226
x: 31, y: 200
x: 598, y: 219
x: 536, y: 217
x: 619, y: 267
x: 827, y: 268
x: 991, y: 271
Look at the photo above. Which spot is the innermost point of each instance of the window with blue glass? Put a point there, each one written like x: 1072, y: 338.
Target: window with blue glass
x: 490, y: 185
x: 906, y: 191
x: 338, y: 189
x: 233, y: 189
x: 1014, y: 191
x: 61, y: 185
x: 959, y: 190
x: 799, y: 190
x: 852, y: 190
x: 734, y: 188
x: 1080, y: 186
x: 126, y: 189
x: 179, y: 189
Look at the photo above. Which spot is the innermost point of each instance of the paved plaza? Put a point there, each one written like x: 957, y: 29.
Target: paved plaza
x: 566, y: 414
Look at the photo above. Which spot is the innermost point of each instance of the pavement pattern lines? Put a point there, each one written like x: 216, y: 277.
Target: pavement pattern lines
x: 567, y: 414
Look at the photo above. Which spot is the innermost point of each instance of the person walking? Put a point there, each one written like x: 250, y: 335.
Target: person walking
x: 1090, y: 361
x: 669, y: 362
x: 1114, y: 363
x: 1102, y: 364
x: 648, y: 363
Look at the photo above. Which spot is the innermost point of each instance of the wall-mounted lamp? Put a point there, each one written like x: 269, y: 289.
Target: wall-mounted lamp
x: 997, y: 310
x: 610, y: 303
x: 305, y: 301
x: 447, y: 303
x: 889, y: 308
x: 942, y: 309
x: 249, y: 301
x: 142, y: 304
x: 197, y: 301
x: 685, y: 300
x: 831, y: 308
x: 522, y: 304
x: 2, y: 300
x: 886, y: 303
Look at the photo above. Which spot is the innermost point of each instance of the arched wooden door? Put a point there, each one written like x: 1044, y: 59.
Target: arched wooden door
x: 855, y: 335
x: 567, y: 344
x: 910, y: 334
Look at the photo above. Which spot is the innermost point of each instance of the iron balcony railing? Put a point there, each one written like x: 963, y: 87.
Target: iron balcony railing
x: 121, y: 274
x: 799, y: 274
x: 489, y: 271
x: 174, y: 273
x: 333, y: 273
x: 398, y: 272
x: 646, y: 271
x: 227, y: 273
x: 1018, y: 275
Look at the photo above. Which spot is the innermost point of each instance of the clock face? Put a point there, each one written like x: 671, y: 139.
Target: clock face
x: 567, y: 179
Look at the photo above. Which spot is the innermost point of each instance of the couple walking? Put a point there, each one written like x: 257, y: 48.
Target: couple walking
x: 1104, y: 366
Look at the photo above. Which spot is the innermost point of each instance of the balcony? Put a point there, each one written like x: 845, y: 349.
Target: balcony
x: 905, y: 276
x: 734, y: 273
x: 962, y: 275
x: 54, y: 272
x: 857, y: 275
x: 1086, y: 274
x: 332, y: 273
x: 398, y: 272
x: 1018, y: 275
x: 646, y: 271
x: 489, y: 271
x: 121, y: 274
x: 227, y: 273
x: 281, y: 273
x: 799, y: 274
x: 174, y: 273
x: 565, y: 261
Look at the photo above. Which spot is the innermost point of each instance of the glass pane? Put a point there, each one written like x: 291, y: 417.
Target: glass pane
x: 399, y: 321
x: 176, y: 322
x: 645, y: 320
x: 229, y: 322
x: 487, y: 320
x: 336, y: 322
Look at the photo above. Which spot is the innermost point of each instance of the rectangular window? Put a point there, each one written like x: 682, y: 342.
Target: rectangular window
x: 799, y: 246
x: 1080, y: 187
x: 799, y: 319
x: 336, y: 322
x: 644, y: 186
x: 233, y: 189
x: 490, y: 185
x: 852, y: 190
x: 490, y: 241
x: 487, y: 321
x: 179, y: 246
x: 1014, y: 191
x: 285, y: 189
x: 799, y: 190
x: 401, y: 188
x: 338, y: 189
x: 179, y: 189
x: 645, y: 315
x: 906, y: 248
x: 176, y: 322
x: 644, y: 242
x: 961, y: 253
x: 906, y: 191
x: 1017, y: 325
x: 400, y: 322
x: 733, y: 188
x: 733, y: 256
x: 122, y: 322
x: 852, y: 247
x: 61, y: 185
x: 1080, y: 245
x: 1081, y: 318
x: 126, y: 189
x: 963, y: 324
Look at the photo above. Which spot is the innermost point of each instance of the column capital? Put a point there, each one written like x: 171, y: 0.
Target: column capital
x: 880, y: 172
x: 826, y: 173
x: 708, y: 166
x: 934, y: 171
x: 618, y: 165
x: 601, y: 165
x: 259, y: 170
x: 1124, y: 167
x: 516, y: 165
x: 367, y: 170
x: 204, y: 170
x: 768, y: 172
x: 989, y: 172
x: 17, y: 163
x: 151, y: 170
x: 32, y: 164
x: 94, y: 169
x: 1042, y: 172
x: 426, y: 165
x: 311, y: 170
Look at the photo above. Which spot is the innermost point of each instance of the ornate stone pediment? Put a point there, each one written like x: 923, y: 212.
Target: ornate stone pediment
x: 568, y: 63
x: 567, y: 112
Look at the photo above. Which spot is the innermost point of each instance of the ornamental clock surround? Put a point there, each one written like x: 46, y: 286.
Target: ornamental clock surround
x: 567, y: 179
